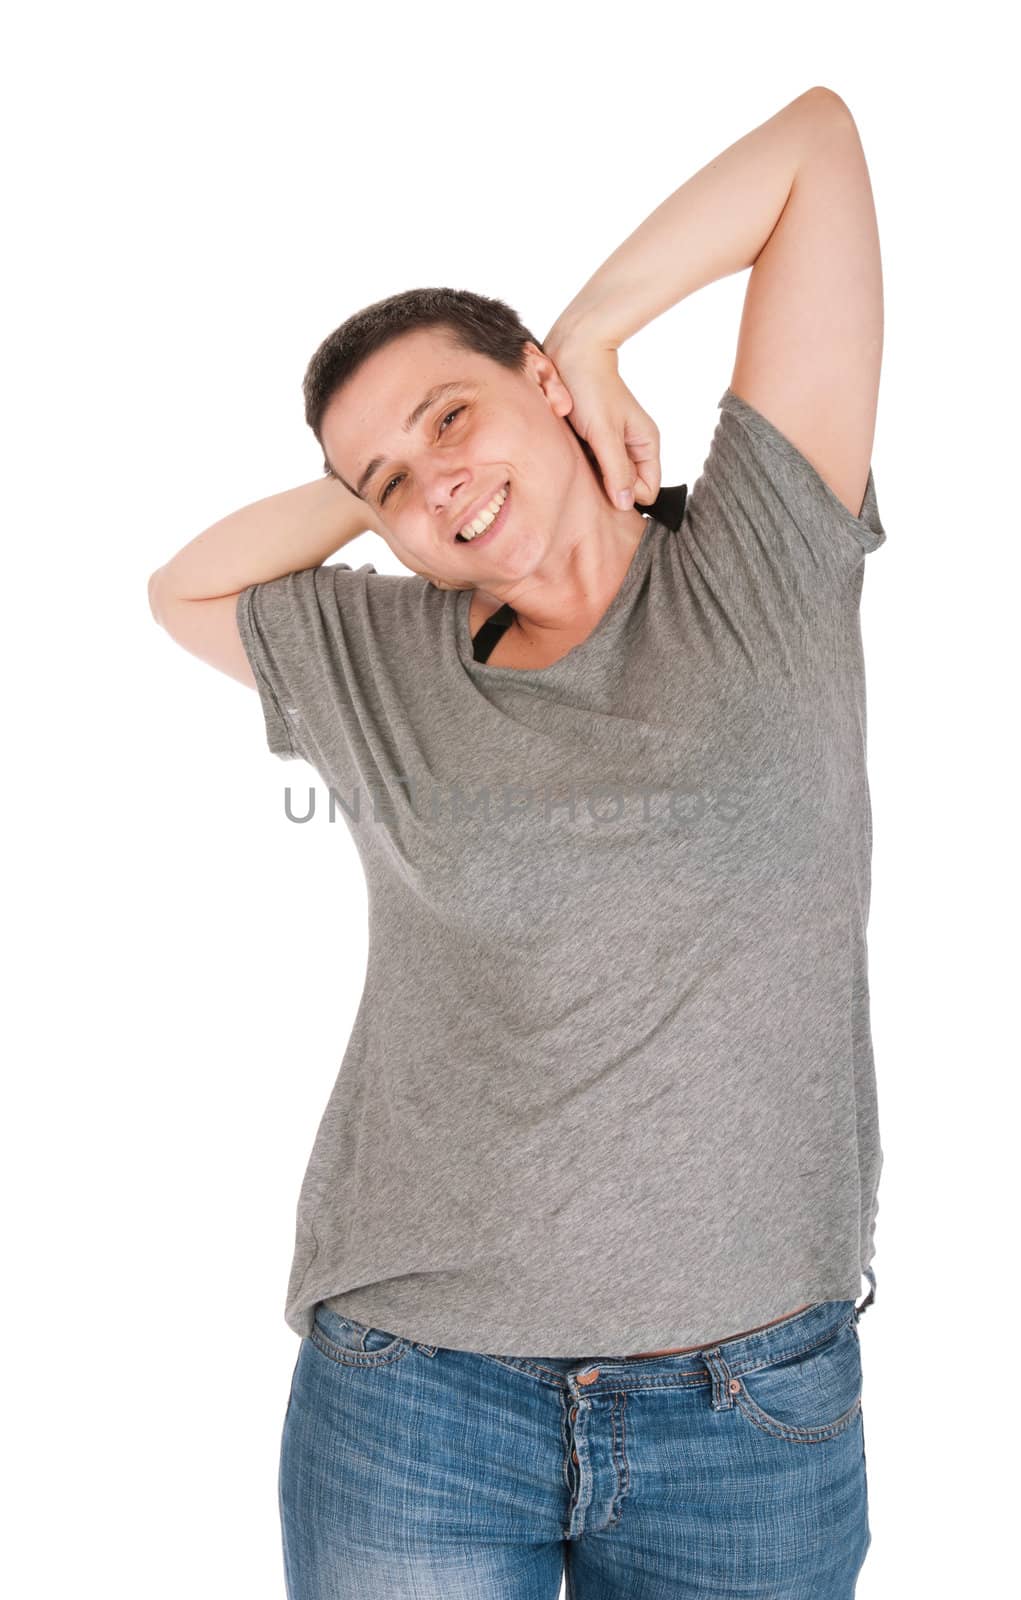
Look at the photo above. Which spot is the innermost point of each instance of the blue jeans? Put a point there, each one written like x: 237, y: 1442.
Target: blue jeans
x: 414, y: 1472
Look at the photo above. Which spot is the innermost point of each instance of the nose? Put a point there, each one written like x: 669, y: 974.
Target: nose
x: 442, y: 491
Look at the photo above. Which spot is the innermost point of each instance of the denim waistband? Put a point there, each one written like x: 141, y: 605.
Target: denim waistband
x: 743, y: 1353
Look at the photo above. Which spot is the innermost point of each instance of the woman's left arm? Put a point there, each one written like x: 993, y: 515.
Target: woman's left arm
x: 792, y: 200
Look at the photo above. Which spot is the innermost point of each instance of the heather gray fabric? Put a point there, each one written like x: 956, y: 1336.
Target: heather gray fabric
x: 610, y: 1087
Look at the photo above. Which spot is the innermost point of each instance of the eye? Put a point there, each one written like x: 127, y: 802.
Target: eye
x: 446, y: 416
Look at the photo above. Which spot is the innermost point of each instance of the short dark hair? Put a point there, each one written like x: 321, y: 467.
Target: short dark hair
x: 476, y: 322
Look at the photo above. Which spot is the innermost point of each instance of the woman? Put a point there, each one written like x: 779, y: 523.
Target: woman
x: 610, y: 1086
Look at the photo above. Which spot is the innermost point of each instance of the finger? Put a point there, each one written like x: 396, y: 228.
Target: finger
x: 617, y: 468
x: 644, y: 455
x: 648, y: 483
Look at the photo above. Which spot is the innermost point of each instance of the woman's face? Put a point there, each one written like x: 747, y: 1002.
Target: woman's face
x: 489, y: 430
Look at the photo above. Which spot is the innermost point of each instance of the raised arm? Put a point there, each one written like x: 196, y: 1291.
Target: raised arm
x: 791, y: 200
x: 194, y: 594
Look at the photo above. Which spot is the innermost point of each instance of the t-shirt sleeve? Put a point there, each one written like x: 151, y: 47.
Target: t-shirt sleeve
x: 288, y: 627
x: 762, y: 506
x: 337, y: 653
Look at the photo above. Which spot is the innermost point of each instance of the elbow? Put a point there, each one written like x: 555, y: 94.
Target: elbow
x: 154, y: 604
x: 829, y: 97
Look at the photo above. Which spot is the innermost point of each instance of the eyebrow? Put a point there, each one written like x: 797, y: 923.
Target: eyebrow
x: 438, y: 392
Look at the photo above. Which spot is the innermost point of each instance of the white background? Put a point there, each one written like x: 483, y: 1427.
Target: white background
x: 194, y: 197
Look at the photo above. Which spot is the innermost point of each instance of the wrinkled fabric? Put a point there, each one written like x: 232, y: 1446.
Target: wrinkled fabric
x: 610, y: 1085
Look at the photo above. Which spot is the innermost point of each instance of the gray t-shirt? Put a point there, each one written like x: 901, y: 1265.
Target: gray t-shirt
x: 610, y: 1086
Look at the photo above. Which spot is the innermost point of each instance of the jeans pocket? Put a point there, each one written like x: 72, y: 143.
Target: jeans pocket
x: 810, y: 1395
x: 354, y: 1343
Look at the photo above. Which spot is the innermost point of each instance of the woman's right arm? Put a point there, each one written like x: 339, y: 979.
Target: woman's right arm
x: 194, y: 594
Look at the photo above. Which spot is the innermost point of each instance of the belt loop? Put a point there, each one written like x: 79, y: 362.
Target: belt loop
x: 723, y: 1398
x: 859, y: 1311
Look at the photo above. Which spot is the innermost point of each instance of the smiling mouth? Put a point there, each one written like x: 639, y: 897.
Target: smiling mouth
x: 494, y: 527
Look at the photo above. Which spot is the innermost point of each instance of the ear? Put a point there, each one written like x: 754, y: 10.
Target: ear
x: 547, y: 376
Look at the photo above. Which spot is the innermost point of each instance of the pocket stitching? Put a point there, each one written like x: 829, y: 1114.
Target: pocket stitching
x: 786, y: 1430
x: 358, y: 1358
x: 789, y: 1430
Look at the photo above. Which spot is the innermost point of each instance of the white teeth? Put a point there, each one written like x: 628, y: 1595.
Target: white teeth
x: 484, y: 518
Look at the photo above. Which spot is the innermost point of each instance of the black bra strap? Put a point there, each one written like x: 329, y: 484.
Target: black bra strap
x: 667, y: 508
x: 484, y: 641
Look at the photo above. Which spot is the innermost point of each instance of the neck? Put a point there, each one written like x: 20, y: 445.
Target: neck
x: 567, y: 593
